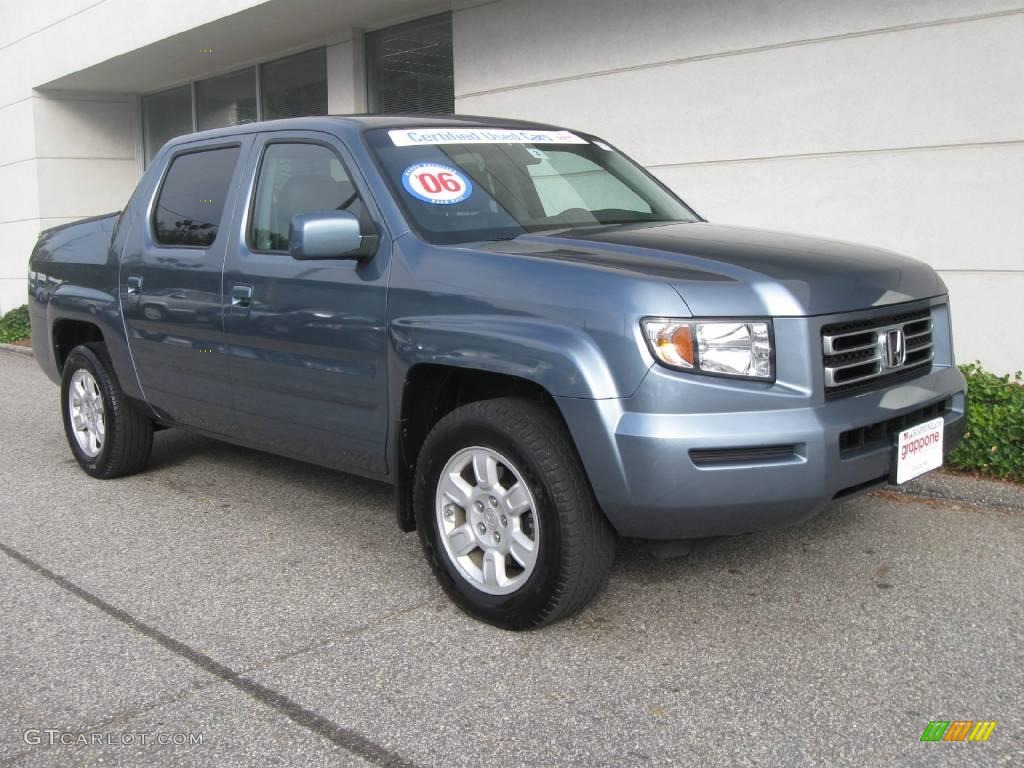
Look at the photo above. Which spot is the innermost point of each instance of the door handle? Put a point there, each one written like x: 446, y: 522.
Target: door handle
x: 134, y: 285
x: 241, y: 295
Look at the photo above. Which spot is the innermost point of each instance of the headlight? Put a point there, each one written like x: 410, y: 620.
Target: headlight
x: 721, y: 348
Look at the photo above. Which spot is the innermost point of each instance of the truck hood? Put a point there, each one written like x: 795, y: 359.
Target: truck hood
x: 734, y: 271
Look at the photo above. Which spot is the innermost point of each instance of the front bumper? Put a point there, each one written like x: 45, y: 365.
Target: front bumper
x: 746, y: 457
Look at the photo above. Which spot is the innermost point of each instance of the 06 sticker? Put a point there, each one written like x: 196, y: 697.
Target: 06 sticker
x: 437, y: 184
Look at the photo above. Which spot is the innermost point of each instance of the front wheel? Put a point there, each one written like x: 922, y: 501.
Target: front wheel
x: 506, y: 516
x: 108, y: 436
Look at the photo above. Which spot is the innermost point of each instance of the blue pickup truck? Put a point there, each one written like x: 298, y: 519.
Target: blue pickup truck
x: 539, y: 345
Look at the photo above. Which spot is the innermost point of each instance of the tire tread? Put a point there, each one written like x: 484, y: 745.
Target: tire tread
x: 587, y: 539
x: 131, y: 433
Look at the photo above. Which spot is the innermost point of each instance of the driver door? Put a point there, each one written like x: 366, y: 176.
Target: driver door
x: 306, y: 339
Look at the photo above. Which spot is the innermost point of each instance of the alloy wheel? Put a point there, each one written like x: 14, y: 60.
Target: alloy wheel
x: 487, y: 520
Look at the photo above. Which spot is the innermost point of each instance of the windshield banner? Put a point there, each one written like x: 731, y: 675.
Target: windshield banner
x: 416, y: 137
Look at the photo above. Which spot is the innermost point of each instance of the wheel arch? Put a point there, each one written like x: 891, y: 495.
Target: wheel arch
x: 68, y: 333
x: 429, y: 392
x: 78, y: 315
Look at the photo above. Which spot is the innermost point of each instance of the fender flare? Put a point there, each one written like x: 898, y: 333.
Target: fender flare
x: 563, y: 360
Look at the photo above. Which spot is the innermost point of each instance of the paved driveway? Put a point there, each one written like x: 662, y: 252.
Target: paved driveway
x: 274, y: 610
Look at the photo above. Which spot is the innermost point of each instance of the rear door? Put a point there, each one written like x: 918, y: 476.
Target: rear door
x: 171, y: 283
x: 306, y: 339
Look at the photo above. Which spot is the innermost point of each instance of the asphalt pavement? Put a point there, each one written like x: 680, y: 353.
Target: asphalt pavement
x: 251, y: 610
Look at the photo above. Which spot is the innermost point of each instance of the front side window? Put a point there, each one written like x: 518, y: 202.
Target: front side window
x: 293, y: 179
x: 192, y: 197
x: 479, y: 183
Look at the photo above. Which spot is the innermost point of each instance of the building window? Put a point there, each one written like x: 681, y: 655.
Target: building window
x: 289, y: 87
x: 227, y: 100
x: 410, y: 68
x: 164, y: 116
x: 295, y: 86
x: 191, y: 202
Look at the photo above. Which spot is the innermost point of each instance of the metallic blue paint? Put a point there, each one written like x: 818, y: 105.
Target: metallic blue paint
x: 308, y: 357
x: 314, y: 365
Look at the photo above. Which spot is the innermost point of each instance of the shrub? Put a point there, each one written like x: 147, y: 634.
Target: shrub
x: 14, y: 325
x: 994, y: 443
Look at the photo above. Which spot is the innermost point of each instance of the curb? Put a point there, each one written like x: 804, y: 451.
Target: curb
x: 15, y: 349
x: 963, y: 489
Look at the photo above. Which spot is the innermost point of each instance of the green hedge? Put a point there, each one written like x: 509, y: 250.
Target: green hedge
x: 14, y: 325
x: 994, y: 443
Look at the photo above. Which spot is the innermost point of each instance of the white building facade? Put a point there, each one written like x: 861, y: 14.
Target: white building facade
x: 899, y: 124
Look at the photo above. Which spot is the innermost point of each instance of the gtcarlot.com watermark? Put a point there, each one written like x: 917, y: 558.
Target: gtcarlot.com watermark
x: 55, y: 737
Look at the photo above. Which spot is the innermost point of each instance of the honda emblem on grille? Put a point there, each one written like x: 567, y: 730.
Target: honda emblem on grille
x: 893, y: 347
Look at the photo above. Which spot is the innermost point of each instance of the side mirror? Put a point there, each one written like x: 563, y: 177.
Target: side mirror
x: 329, y: 235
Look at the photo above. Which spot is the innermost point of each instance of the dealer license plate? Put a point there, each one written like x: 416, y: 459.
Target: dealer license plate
x: 919, y: 450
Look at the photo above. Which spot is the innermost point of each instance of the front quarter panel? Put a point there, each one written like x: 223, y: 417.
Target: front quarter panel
x: 572, y: 329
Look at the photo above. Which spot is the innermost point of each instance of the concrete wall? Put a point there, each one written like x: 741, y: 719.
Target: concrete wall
x: 895, y: 124
x: 73, y: 71
x: 346, y: 77
x: 72, y: 155
x: 76, y: 157
x: 69, y: 154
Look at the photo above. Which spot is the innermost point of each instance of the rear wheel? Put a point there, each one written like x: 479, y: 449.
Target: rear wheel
x: 108, y: 436
x: 506, y: 516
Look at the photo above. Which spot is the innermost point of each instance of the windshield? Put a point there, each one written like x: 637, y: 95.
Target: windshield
x: 464, y: 184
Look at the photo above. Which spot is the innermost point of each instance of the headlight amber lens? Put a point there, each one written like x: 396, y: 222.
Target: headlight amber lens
x: 674, y: 344
x: 733, y: 348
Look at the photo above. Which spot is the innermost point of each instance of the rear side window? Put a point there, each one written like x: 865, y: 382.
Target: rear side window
x: 192, y: 197
x: 297, y: 178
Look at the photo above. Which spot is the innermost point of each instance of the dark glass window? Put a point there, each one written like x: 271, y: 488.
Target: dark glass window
x: 164, y: 116
x: 192, y: 198
x: 297, y: 178
x: 409, y: 67
x: 289, y: 87
x: 295, y: 86
x: 227, y: 100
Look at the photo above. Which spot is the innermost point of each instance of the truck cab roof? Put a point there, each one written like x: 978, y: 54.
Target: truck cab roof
x: 353, y: 124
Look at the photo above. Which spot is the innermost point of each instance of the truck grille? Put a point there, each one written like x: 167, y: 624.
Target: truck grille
x: 864, y: 354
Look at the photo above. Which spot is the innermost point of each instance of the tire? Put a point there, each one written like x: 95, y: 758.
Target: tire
x: 127, y: 435
x: 559, y: 551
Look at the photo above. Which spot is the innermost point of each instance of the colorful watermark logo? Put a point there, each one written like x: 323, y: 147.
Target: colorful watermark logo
x: 958, y: 730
